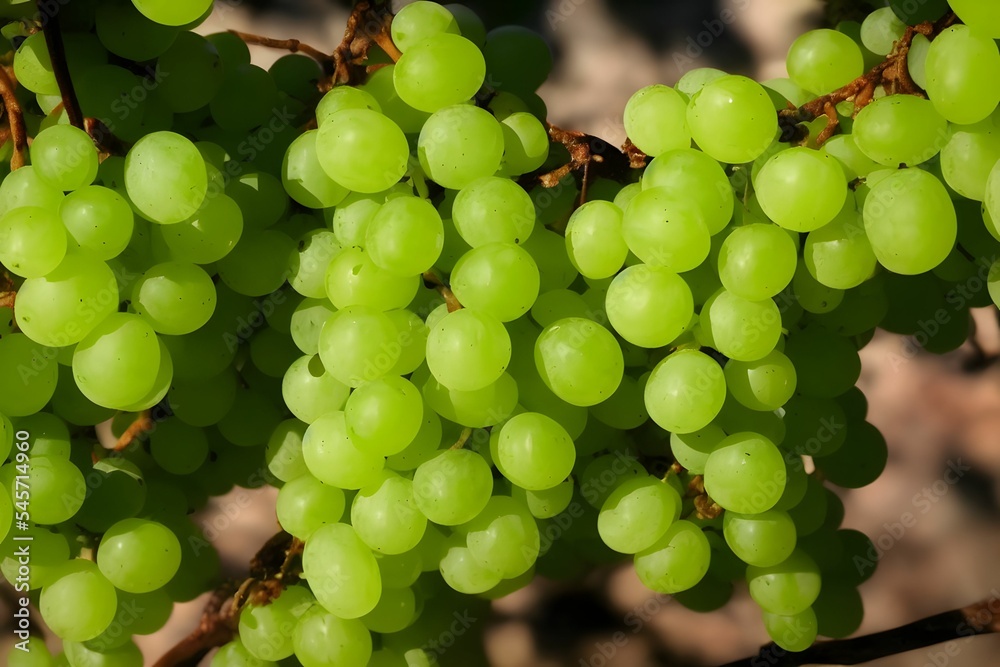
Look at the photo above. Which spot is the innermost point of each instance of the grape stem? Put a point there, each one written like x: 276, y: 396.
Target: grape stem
x: 958, y: 625
x: 292, y: 45
x: 142, y: 424
x: 276, y: 565
x: 57, y: 54
x: 434, y: 280
x: 892, y: 74
x: 15, y: 119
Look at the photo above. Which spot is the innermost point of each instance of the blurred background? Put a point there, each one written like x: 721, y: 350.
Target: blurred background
x: 935, y: 412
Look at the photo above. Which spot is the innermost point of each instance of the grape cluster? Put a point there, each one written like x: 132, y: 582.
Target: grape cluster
x: 459, y: 378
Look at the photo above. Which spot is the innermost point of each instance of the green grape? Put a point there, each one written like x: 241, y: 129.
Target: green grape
x: 283, y: 451
x: 854, y: 163
x: 504, y: 538
x: 139, y: 556
x: 422, y: 448
x: 32, y: 241
x: 297, y: 76
x: 261, y: 198
x: 468, y: 350
x: 765, y: 384
x: 24, y: 187
x: 839, y: 255
x: 656, y: 120
x: 405, y: 236
x: 203, y: 402
x: 795, y: 632
x: 342, y: 572
x: 352, y: 216
x: 757, y: 261
x: 900, y: 129
x: 175, y: 298
x: 333, y: 459
x: 763, y: 540
x: 33, y: 68
x: 165, y: 177
x: 396, y: 610
x: 345, y: 97
x: 969, y: 155
x: 801, y: 189
x: 258, y: 264
x: 579, y: 360
x: 173, y: 13
x: 980, y: 15
x: 699, y: 177
x: 823, y: 60
x: 787, y: 588
x: 266, y: 630
x: 517, y: 59
x: 554, y: 267
x: 526, y: 143
x: 193, y: 72
x: 305, y: 504
x: 664, y: 229
x: 827, y: 365
x: 307, y: 321
x: 470, y: 25
x: 594, y: 240
x: 309, y: 261
x: 358, y: 344
x: 245, y: 99
x: 556, y: 305
x: 839, y: 609
x: 741, y: 329
x: 116, y: 364
x: 64, y: 156
x: 500, y: 279
x: 49, y: 435
x: 788, y: 91
x: 28, y: 375
x: 384, y: 415
x: 50, y: 550
x: 208, y: 235
x: 385, y: 515
x: 677, y: 561
x: 235, y: 654
x: 413, y: 335
x: 127, y: 654
x: 535, y: 452
x: 745, y: 473
x: 352, y: 278
x: 97, y: 219
x: 546, y: 503
x: 459, y: 145
x: 73, y: 583
x: 380, y: 85
x: 34, y: 654
x: 732, y: 119
x: 438, y: 71
x: 637, y: 513
x: 625, y: 408
x: 881, y: 30
x: 178, y: 448
x: 961, y: 69
x: 117, y: 491
x: 362, y: 150
x: 813, y: 296
x: 453, y: 487
x: 685, y: 391
x: 692, y: 449
x: 462, y: 572
x: 493, y: 210
x: 695, y: 79
x: 859, y: 461
x: 910, y: 221
x: 309, y: 391
x: 420, y: 20
x: 304, y: 179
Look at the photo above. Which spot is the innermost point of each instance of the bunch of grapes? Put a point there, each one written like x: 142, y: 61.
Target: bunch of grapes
x: 457, y: 377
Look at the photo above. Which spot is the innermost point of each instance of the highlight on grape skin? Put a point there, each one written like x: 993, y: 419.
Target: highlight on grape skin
x: 467, y: 348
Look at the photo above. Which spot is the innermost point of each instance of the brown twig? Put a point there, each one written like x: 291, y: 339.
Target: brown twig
x: 142, y: 423
x: 292, y: 45
x: 15, y: 119
x: 105, y: 140
x: 959, y: 624
x: 892, y: 74
x: 434, y: 280
x: 275, y: 566
x: 368, y: 24
x: 57, y: 54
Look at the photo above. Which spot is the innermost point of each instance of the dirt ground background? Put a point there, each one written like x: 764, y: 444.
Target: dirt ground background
x: 930, y: 410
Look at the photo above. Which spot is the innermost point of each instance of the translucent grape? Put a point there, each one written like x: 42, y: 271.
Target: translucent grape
x: 764, y: 539
x: 345, y: 97
x: 460, y: 144
x: 741, y: 329
x: 535, y: 452
x: 208, y: 235
x: 173, y: 13
x: 787, y: 588
x: 732, y: 119
x: 305, y: 503
x: 677, y: 561
x: 900, y: 129
x: 765, y: 384
x: 579, y: 360
x: 420, y: 20
x: 801, y: 189
x: 304, y: 179
x: 468, y: 350
x: 594, y: 240
x: 72, y: 582
x: 139, y: 556
x: 362, y: 150
x: 453, y: 487
x: 384, y: 415
x: 685, y: 391
x: 194, y: 72
x: 700, y: 178
x: 98, y: 219
x: 333, y: 459
x: 637, y: 514
x: 493, y: 210
x: 352, y: 278
x: 910, y: 221
x: 175, y: 298
x: 33, y: 67
x: 745, y: 473
x: 165, y: 177
x: 439, y: 71
x: 342, y: 571
x: 961, y: 70
x: 463, y: 572
x: 385, y: 515
x: 526, y: 143
x: 656, y: 120
x: 980, y: 15
x: 757, y: 261
x: 504, y: 537
x: 500, y: 279
x: 32, y: 241
x: 692, y: 449
x: 823, y: 60
x: 649, y: 306
x: 64, y: 156
x: 665, y: 229
x: 405, y: 236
